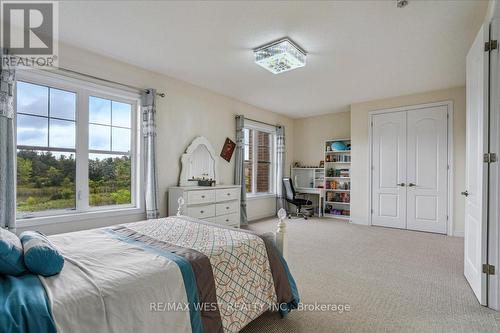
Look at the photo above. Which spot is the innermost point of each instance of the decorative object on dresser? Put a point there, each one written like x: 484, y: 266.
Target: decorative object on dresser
x: 228, y: 149
x: 199, y: 162
x: 218, y: 204
x: 337, y: 178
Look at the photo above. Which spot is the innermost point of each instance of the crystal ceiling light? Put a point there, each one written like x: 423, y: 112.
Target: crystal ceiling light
x: 280, y: 56
x: 401, y: 3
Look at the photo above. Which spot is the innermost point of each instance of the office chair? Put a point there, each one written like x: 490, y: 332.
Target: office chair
x: 291, y: 197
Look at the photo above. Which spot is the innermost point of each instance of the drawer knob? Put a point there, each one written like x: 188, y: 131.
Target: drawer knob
x: 202, y: 211
x: 227, y: 207
x: 203, y: 197
x: 227, y: 220
x: 229, y: 194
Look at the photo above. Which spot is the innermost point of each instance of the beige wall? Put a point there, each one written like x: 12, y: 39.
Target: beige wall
x: 310, y: 135
x: 189, y: 111
x: 186, y: 112
x: 360, y: 148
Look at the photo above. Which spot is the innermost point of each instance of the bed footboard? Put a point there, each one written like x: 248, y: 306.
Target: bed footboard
x: 279, y: 235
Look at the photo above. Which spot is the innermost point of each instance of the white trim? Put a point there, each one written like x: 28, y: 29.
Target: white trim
x: 257, y: 196
x: 255, y: 151
x: 449, y: 105
x: 69, y: 218
x: 494, y: 174
x: 261, y: 217
x: 259, y: 126
x: 74, y: 82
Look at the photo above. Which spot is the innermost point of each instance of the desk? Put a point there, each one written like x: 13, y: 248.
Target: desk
x: 310, y: 181
x: 314, y: 191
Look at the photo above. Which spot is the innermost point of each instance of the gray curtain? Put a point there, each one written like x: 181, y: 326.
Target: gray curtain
x: 7, y: 148
x: 149, y: 132
x: 239, y: 170
x: 280, y: 166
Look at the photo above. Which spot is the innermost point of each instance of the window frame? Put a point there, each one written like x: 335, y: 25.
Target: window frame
x: 83, y: 90
x: 271, y: 130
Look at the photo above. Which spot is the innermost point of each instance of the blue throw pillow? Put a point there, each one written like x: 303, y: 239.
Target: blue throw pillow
x: 11, y: 254
x: 40, y: 255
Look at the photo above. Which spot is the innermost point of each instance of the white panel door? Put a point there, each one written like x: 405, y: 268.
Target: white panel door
x: 427, y: 169
x: 475, y: 218
x: 389, y: 170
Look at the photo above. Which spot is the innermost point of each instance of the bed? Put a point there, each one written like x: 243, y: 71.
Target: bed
x: 175, y: 274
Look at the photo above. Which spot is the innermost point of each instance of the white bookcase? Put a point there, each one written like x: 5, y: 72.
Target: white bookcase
x: 337, y: 183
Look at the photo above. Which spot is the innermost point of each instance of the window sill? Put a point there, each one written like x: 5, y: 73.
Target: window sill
x: 74, y: 217
x: 251, y: 197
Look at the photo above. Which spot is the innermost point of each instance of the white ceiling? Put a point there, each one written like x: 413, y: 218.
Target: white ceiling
x: 357, y: 50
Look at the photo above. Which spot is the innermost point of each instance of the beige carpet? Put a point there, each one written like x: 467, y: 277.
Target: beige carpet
x: 394, y: 281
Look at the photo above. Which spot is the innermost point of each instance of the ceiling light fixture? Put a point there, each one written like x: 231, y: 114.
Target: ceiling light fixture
x: 402, y: 3
x: 280, y: 56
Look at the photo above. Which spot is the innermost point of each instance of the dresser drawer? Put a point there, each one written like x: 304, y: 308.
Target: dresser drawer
x: 227, y: 194
x: 228, y: 207
x: 201, y: 212
x: 229, y: 220
x: 210, y: 219
x: 200, y: 197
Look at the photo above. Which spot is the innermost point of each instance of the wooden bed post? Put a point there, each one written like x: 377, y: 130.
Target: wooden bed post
x: 280, y: 235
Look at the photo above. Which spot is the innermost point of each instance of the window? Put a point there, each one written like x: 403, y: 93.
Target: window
x: 46, y: 168
x: 259, y: 166
x: 109, y: 152
x: 60, y: 172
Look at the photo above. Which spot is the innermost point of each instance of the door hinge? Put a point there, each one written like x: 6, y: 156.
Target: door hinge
x: 491, y: 45
x: 372, y: 211
x: 488, y: 269
x: 489, y: 158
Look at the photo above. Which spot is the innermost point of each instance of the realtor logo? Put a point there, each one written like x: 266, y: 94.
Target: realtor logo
x: 29, y: 32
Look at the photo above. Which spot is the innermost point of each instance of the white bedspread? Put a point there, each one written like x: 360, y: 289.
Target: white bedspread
x: 105, y: 286
x: 116, y: 285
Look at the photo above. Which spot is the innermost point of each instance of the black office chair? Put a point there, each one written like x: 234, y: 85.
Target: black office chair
x: 291, y: 197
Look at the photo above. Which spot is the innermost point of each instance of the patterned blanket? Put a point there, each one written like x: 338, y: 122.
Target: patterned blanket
x: 138, y: 276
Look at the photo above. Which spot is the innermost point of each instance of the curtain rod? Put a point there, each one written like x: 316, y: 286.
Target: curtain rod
x: 261, y: 122
x: 106, y: 80
x: 161, y: 94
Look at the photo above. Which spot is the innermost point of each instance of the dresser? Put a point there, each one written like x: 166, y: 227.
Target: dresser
x: 218, y: 204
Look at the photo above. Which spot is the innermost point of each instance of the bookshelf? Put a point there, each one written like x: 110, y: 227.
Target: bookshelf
x: 337, y: 179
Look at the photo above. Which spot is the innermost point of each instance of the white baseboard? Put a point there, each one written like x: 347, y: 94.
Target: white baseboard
x: 261, y: 216
x: 458, y: 234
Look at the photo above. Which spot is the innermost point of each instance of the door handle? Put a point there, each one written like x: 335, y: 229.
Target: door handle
x: 401, y: 184
x: 465, y: 193
x: 411, y: 185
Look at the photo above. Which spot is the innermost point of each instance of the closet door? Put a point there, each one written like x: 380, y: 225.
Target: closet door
x: 427, y: 174
x: 389, y: 170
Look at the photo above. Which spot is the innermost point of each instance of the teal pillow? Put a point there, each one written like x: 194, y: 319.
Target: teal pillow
x: 40, y: 255
x: 11, y: 254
